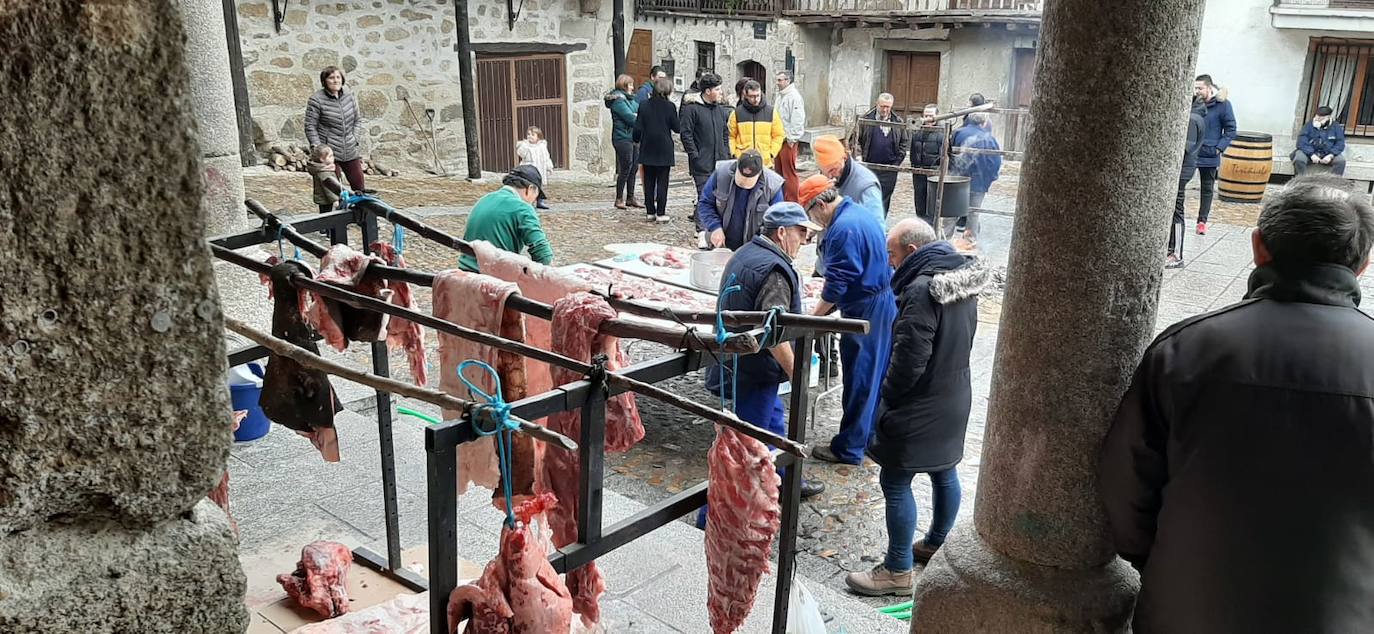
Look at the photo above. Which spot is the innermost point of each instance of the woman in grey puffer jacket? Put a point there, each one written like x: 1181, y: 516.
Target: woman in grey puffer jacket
x: 331, y: 118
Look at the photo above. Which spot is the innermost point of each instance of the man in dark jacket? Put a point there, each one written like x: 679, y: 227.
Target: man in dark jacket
x: 884, y: 145
x: 735, y: 198
x: 705, y: 131
x: 1238, y: 475
x: 1221, y: 130
x: 646, y: 90
x: 1197, y: 128
x: 927, y: 151
x: 926, y: 397
x: 981, y: 168
x: 1322, y: 142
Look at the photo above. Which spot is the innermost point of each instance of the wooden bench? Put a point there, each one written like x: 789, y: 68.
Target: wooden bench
x: 1361, y: 172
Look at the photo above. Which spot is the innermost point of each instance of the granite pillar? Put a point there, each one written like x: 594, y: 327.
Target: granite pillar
x: 1111, y: 104
x: 212, y: 105
x: 114, y: 416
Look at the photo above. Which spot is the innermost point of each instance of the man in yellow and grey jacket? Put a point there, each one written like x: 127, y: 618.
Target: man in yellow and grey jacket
x: 755, y: 125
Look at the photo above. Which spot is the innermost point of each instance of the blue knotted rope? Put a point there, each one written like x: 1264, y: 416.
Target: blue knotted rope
x: 721, y: 336
x: 500, y: 412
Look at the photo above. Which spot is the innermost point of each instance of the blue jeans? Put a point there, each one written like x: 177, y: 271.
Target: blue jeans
x: 901, y: 512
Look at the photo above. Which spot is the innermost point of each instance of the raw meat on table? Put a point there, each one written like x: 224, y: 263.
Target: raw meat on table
x: 405, y: 614
x: 577, y: 319
x: 294, y: 396
x: 518, y: 592
x: 403, y: 334
x: 340, y: 323
x: 742, y: 519
x: 479, y: 302
x: 321, y: 578
x: 670, y: 258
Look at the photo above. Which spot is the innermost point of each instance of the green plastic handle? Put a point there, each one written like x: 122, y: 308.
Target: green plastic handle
x: 424, y: 417
x: 893, y: 609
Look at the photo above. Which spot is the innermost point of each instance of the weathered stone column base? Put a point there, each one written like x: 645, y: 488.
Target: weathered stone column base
x: 969, y: 587
x: 181, y: 575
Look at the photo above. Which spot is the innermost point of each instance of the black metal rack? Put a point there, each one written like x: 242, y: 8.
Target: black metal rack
x: 588, y: 395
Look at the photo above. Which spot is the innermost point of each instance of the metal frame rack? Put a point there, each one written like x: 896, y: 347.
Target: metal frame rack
x: 590, y: 395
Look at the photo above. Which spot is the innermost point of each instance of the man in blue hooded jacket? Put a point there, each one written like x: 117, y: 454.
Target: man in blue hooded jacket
x: 858, y: 281
x: 1322, y: 142
x: 1220, y: 131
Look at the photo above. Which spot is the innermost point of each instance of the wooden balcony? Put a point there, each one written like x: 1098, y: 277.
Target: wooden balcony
x: 742, y: 9
x: 914, y: 13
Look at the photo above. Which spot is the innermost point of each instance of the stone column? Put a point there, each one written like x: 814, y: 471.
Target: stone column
x: 114, y: 418
x: 212, y: 104
x: 1096, y: 192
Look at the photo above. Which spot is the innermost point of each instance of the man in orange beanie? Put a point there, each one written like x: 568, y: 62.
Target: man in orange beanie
x: 858, y: 281
x: 853, y: 180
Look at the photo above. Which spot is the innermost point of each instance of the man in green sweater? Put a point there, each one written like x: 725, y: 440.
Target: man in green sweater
x: 506, y: 218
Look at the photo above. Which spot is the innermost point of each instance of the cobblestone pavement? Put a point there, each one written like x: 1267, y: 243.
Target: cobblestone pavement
x: 843, y: 529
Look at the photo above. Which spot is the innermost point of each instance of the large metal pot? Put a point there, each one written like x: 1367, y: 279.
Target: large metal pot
x: 707, y: 268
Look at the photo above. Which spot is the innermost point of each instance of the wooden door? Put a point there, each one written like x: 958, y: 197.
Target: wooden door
x: 515, y: 93
x: 640, y: 58
x: 755, y: 71
x: 1024, y: 80
x: 914, y: 81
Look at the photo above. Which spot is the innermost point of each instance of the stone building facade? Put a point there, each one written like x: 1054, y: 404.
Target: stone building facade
x: 399, y: 56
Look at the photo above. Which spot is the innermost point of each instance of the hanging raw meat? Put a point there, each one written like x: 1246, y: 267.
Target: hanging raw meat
x: 294, y: 396
x: 403, y: 334
x: 742, y: 520
x: 479, y: 302
x: 320, y: 581
x: 518, y: 591
x: 340, y: 323
x: 220, y: 494
x: 577, y: 319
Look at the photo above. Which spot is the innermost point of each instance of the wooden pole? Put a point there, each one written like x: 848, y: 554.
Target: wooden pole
x: 306, y: 358
x: 515, y: 347
x: 467, y: 94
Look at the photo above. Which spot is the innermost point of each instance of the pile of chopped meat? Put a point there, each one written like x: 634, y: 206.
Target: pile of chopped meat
x: 403, y: 334
x: 670, y: 258
x: 742, y: 519
x: 578, y: 318
x: 320, y: 579
x: 519, y: 590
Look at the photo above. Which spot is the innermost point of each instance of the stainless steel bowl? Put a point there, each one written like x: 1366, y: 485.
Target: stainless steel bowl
x: 707, y: 268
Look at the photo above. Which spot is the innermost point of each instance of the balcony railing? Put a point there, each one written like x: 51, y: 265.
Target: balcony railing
x: 851, y: 7
x: 712, y: 7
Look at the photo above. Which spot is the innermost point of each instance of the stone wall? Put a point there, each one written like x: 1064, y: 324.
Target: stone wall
x: 399, y: 57
x: 735, y: 44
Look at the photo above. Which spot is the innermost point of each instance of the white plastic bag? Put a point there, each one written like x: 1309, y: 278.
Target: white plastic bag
x: 804, y: 615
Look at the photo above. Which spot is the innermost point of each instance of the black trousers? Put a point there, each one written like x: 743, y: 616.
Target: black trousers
x: 625, y: 168
x: 656, y: 189
x: 918, y: 183
x: 888, y: 181
x: 1209, y: 189
x: 1176, y: 226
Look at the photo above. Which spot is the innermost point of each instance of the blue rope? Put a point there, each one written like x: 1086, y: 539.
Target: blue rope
x: 500, y: 411
x: 721, y: 336
x: 281, y: 253
x: 398, y: 239
x: 348, y: 200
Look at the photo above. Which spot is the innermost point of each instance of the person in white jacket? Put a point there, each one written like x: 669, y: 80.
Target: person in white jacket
x: 790, y: 108
x: 532, y: 150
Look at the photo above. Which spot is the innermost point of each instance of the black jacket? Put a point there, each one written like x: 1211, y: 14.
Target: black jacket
x: 926, y: 146
x: 654, y: 128
x: 705, y: 133
x: 928, y: 390
x: 1197, y: 129
x: 901, y: 140
x: 1238, y: 475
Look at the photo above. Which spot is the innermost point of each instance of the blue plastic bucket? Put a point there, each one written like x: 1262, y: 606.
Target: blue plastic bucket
x: 256, y: 425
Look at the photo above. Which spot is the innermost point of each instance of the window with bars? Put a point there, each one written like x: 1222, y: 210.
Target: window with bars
x: 1340, y: 77
x: 706, y: 55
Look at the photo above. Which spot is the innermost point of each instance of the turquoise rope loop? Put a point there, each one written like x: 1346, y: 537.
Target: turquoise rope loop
x: 500, y: 412
x: 721, y: 336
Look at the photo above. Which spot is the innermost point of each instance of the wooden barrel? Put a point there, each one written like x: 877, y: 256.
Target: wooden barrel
x: 1245, y: 168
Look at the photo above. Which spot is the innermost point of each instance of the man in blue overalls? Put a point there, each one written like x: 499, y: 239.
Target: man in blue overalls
x: 762, y: 270
x: 858, y: 280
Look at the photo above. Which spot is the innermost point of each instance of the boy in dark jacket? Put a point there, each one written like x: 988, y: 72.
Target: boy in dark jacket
x: 1322, y: 143
x: 646, y: 90
x: 704, y: 120
x: 927, y: 151
x: 884, y: 145
x: 1221, y: 130
x: 1261, y: 403
x: 1197, y: 129
x: 926, y: 397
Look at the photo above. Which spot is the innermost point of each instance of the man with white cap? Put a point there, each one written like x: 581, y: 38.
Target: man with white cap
x: 734, y: 199
x: 763, y: 270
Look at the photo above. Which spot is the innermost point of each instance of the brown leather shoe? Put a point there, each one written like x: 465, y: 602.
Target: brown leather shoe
x: 880, y: 581
x: 633, y: 203
x: 921, y: 552
x: 619, y: 203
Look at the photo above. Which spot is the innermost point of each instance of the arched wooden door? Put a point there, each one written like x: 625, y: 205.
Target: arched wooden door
x: 755, y: 71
